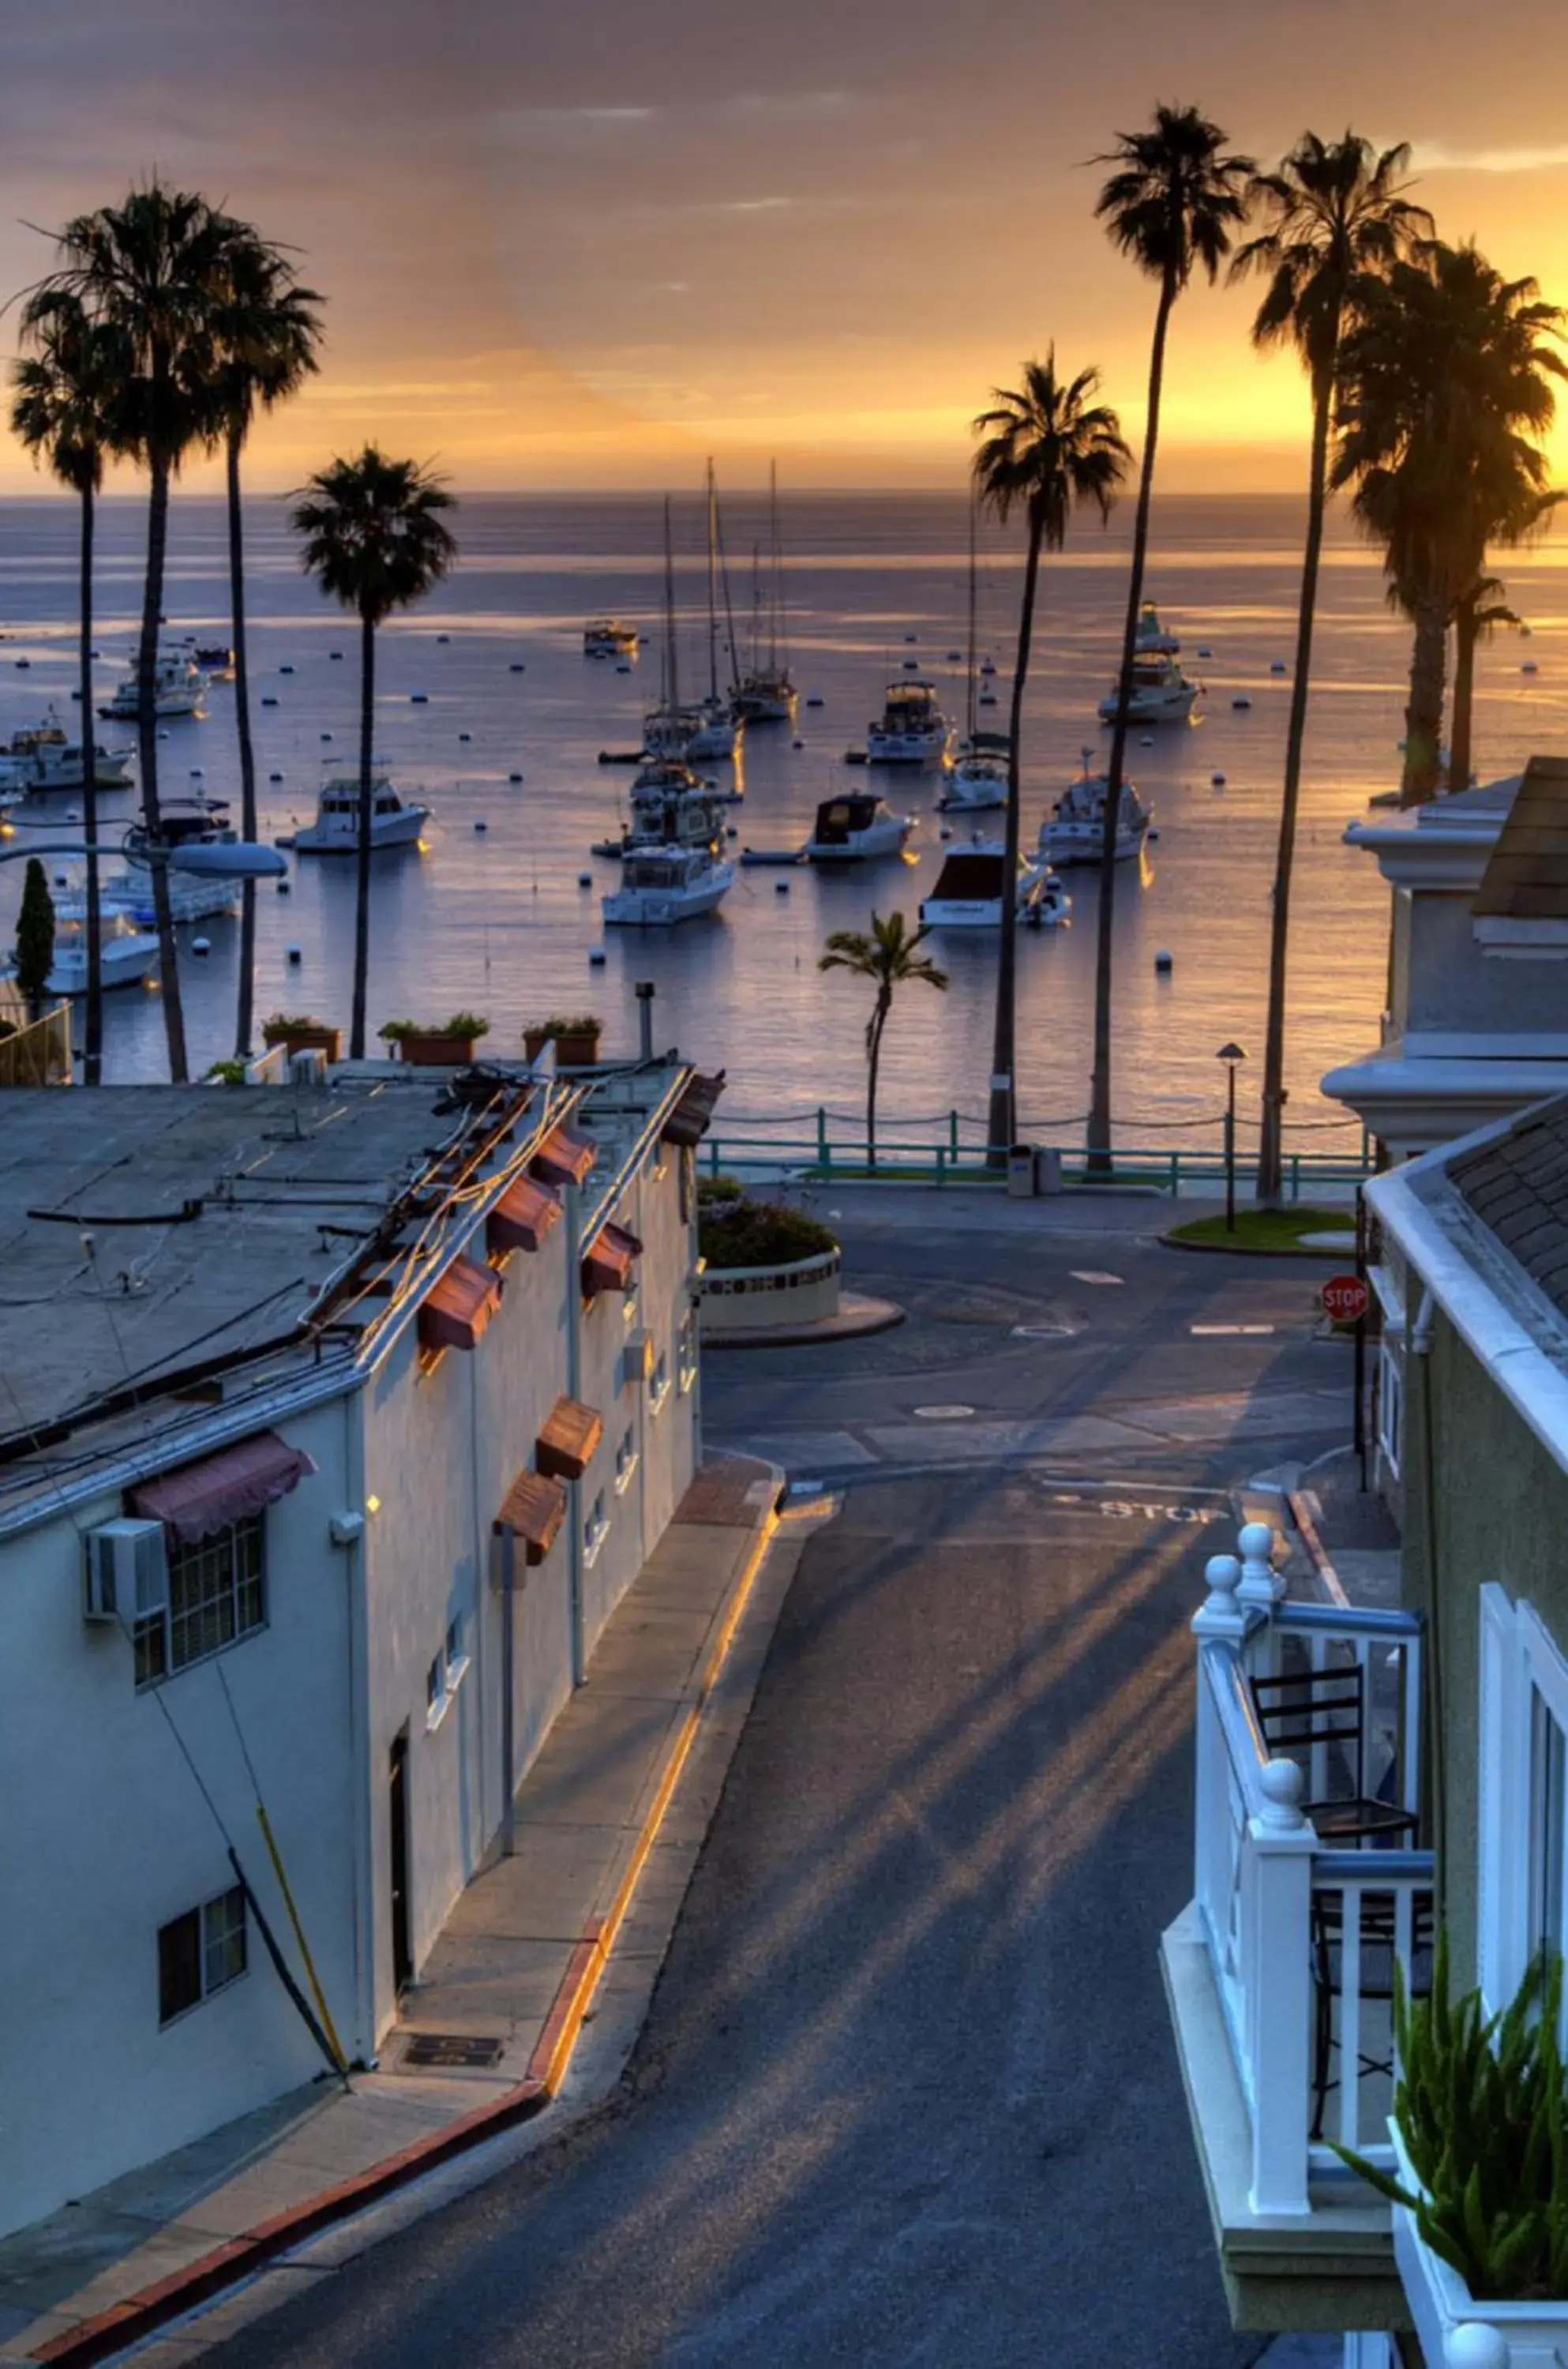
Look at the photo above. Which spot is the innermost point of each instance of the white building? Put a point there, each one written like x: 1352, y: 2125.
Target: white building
x: 290, y: 1381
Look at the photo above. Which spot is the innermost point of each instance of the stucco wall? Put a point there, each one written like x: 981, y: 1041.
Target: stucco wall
x: 1454, y: 984
x: 107, y: 1837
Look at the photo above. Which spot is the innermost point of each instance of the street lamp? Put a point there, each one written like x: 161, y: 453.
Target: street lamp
x: 246, y: 859
x: 1231, y: 1055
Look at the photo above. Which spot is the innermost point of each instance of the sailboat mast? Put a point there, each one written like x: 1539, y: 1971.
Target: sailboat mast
x: 972, y: 596
x: 713, y: 610
x: 776, y: 588
x: 729, y: 604
x: 670, y: 613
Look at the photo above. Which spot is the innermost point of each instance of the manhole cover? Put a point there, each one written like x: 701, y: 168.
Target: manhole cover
x: 942, y: 1414
x: 1094, y: 1275
x: 451, y: 2048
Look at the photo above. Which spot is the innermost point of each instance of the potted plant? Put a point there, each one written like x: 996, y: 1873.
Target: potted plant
x: 1480, y: 2132
x: 575, y: 1041
x: 300, y: 1035
x: 227, y: 1073
x: 446, y: 1045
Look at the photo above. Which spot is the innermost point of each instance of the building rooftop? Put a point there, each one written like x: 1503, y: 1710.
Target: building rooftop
x: 1526, y: 878
x: 1516, y: 1184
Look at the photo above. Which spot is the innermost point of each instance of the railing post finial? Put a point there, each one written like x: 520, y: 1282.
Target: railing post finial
x: 1473, y: 2345
x: 1281, y: 1784
x: 1219, y: 1615
x: 1261, y: 1585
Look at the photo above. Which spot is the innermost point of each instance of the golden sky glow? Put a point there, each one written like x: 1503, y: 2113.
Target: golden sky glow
x: 559, y: 257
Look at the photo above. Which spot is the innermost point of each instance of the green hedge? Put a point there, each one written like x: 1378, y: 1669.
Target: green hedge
x: 759, y: 1233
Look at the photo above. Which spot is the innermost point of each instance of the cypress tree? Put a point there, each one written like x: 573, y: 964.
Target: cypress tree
x: 35, y: 937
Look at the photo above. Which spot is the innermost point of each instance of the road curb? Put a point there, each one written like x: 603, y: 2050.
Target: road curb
x: 852, y: 1323
x: 1243, y: 1249
x: 138, y: 2316
x: 1306, y: 1529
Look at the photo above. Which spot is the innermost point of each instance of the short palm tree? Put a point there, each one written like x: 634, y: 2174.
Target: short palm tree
x: 1478, y: 614
x: 149, y: 271
x: 1172, y: 204
x: 374, y: 539
x: 1446, y: 393
x: 1049, y: 449
x: 64, y: 392
x: 265, y: 333
x: 1335, y: 218
x: 887, y: 957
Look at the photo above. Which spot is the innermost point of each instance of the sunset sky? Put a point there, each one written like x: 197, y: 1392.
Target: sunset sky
x: 582, y: 247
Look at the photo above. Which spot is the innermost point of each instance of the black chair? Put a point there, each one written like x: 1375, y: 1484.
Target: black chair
x: 1379, y: 1931
x: 1303, y: 1708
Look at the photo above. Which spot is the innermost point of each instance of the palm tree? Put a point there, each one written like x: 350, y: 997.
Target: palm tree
x: 374, y: 539
x: 264, y: 333
x: 149, y: 271
x: 62, y: 406
x: 1335, y: 217
x: 1171, y: 204
x: 887, y: 957
x: 1445, y: 394
x: 1478, y: 614
x: 1049, y: 449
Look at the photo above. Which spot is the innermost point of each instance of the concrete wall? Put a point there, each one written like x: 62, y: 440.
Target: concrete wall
x: 1485, y: 1501
x: 1454, y: 984
x: 107, y: 1837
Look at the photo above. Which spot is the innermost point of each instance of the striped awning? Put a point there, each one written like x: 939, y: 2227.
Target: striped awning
x: 690, y: 1119
x: 522, y: 1217
x: 609, y: 1260
x: 533, y: 1509
x: 563, y: 1158
x: 568, y: 1438
x: 456, y: 1309
x: 225, y: 1488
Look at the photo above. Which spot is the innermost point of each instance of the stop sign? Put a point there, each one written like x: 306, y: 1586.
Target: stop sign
x: 1344, y: 1298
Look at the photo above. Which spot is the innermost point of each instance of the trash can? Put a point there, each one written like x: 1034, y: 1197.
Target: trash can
x: 1047, y: 1169
x: 1021, y: 1183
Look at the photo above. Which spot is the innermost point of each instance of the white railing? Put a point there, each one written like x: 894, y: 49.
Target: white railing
x: 1302, y: 1935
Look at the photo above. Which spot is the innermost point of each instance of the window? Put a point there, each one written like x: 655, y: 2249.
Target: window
x: 658, y: 1382
x: 1390, y: 1405
x: 625, y: 1459
x: 457, y: 1652
x: 595, y: 1531
x: 200, y: 1952
x: 1545, y: 1829
x: 435, y: 1693
x: 216, y: 1595
x: 686, y: 1356
x: 1522, y: 1894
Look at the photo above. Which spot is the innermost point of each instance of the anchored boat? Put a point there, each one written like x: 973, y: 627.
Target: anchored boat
x: 969, y: 892
x: 1074, y: 830
x: 396, y: 821
x: 913, y: 730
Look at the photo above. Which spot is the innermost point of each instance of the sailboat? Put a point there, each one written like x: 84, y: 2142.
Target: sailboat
x: 668, y: 728
x: 721, y: 726
x: 979, y: 778
x: 765, y: 693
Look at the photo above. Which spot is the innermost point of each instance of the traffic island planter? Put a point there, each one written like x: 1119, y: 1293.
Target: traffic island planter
x: 782, y: 1297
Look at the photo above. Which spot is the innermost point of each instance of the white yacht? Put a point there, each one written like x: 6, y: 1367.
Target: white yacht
x: 193, y: 896
x: 978, y: 780
x: 717, y: 729
x: 1153, y: 640
x: 912, y: 731
x: 854, y: 825
x: 177, y: 685
x: 661, y: 885
x: 1073, y: 832
x: 1161, y: 693
x: 126, y: 955
x: 42, y: 758
x: 396, y: 821
x: 968, y: 895
x: 607, y: 637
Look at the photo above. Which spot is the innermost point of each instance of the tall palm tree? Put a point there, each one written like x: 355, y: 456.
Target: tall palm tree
x: 374, y: 539
x: 1447, y: 391
x: 1049, y: 449
x: 264, y: 333
x: 1478, y: 614
x: 1335, y: 217
x: 150, y: 271
x: 1171, y: 205
x: 64, y: 392
x: 887, y: 957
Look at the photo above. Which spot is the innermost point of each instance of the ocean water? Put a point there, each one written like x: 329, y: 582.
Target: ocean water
x: 499, y: 922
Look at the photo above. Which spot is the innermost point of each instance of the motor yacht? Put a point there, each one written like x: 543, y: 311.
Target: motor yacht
x: 968, y: 895
x: 177, y: 685
x: 1153, y: 641
x: 1074, y: 830
x: 853, y: 826
x: 42, y: 758
x: 126, y: 955
x: 607, y: 637
x: 663, y: 885
x: 978, y: 780
x: 193, y: 896
x: 1161, y: 693
x: 912, y: 731
x: 395, y: 821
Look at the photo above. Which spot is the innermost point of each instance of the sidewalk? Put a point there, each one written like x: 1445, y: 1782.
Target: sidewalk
x: 508, y: 1986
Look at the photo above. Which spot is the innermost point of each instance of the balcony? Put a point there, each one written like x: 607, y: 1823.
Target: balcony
x: 1307, y: 1887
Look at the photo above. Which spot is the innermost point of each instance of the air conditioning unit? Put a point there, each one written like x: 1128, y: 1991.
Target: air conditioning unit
x: 636, y: 1357
x: 127, y: 1573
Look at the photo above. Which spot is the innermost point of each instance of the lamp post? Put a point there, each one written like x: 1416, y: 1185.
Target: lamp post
x: 1231, y: 1055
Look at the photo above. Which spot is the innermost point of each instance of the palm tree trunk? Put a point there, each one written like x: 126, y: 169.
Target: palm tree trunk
x: 1424, y: 716
x: 1002, y: 1122
x: 147, y: 754
x: 362, y: 881
x: 1099, y: 1143
x: 1271, y: 1152
x: 1466, y: 635
x: 873, y: 1060
x: 92, y: 1049
x: 245, y: 1013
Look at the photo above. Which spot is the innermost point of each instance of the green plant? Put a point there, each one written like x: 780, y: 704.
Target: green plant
x: 280, y: 1024
x: 231, y: 1072
x: 759, y: 1233
x: 396, y: 1032
x: 1481, y: 2109
x: 35, y: 937
x: 887, y: 957
x: 715, y: 1192
x: 463, y: 1023
x: 589, y: 1024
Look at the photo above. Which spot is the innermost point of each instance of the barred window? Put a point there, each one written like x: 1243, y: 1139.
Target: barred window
x: 217, y: 1593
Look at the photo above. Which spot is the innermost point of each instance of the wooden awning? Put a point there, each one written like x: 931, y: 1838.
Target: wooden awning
x: 240, y: 1480
x: 533, y: 1507
x: 609, y: 1259
x: 563, y: 1158
x: 567, y: 1440
x: 690, y: 1119
x: 455, y: 1312
x: 522, y: 1217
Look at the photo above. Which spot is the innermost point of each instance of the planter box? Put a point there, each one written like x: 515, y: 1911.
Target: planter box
x: 307, y: 1040
x: 428, y: 1051
x: 752, y: 1299
x: 576, y: 1048
x: 1535, y: 2334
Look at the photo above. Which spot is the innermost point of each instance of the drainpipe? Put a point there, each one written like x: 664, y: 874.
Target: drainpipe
x: 1420, y: 1347
x: 361, y: 1776
x: 573, y: 1197
x: 509, y: 1648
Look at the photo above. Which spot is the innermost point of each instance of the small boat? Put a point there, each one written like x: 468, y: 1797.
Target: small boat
x: 663, y: 885
x: 854, y: 825
x: 42, y: 758
x: 979, y: 778
x: 1153, y: 641
x: 912, y: 730
x: 126, y: 954
x: 607, y: 637
x: 177, y: 685
x: 215, y: 659
x: 968, y: 895
x: 1161, y: 693
x: 396, y: 821
x: 1073, y: 832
